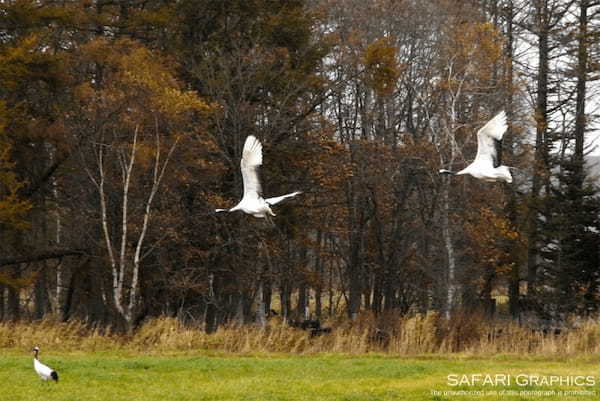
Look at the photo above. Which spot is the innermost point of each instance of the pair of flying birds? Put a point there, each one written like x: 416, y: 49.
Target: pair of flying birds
x: 483, y: 168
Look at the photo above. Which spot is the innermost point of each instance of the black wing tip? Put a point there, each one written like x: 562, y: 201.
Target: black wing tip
x: 54, y: 376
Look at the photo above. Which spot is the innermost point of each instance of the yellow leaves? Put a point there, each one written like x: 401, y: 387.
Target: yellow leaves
x: 160, y: 85
x: 16, y: 62
x: 475, y: 49
x: 497, y: 225
x: 142, y: 18
x: 16, y: 282
x: 33, y: 14
x: 494, y: 240
x: 479, y: 42
x: 324, y: 164
x: 175, y: 101
x: 381, y: 66
x: 135, y: 85
x: 482, y: 225
x: 13, y: 210
x: 3, y: 115
x: 145, y: 153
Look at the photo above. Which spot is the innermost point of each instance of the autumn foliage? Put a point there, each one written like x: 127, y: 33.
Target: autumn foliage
x: 122, y: 126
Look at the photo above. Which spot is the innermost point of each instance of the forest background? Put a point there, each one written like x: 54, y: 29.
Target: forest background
x: 122, y: 122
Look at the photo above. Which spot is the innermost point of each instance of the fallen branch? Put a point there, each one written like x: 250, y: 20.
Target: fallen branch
x: 42, y: 255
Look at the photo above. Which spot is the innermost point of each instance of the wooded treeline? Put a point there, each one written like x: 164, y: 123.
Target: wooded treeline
x: 122, y: 123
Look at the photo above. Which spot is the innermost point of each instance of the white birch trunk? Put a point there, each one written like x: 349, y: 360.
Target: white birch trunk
x: 449, y: 247
x: 105, y: 229
x: 158, y: 174
x: 125, y: 292
x: 58, y: 300
x: 446, y: 226
x: 119, y: 294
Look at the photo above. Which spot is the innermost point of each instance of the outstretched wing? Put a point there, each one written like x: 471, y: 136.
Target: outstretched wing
x: 276, y: 200
x: 251, y: 159
x: 492, y: 131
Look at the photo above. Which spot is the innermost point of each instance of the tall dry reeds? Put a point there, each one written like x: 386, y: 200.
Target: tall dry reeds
x: 414, y: 335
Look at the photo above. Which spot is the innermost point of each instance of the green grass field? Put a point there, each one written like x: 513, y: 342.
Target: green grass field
x: 128, y: 376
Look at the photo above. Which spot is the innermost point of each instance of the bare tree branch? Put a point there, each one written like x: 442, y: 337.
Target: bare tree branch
x: 42, y: 255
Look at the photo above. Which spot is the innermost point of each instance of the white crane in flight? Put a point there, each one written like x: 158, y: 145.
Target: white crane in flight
x: 252, y: 201
x: 485, y: 166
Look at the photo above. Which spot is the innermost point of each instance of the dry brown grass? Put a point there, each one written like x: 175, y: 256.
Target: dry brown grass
x: 415, y: 335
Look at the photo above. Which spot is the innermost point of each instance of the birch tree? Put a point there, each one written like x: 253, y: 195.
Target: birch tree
x: 465, y: 80
x: 135, y: 113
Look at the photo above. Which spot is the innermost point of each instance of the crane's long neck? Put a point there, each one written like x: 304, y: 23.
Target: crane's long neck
x: 35, y: 354
x: 444, y: 171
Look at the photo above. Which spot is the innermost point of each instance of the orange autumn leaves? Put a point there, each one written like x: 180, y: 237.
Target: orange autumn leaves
x: 381, y: 66
x: 492, y: 238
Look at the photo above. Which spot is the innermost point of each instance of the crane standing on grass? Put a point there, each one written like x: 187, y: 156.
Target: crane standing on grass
x: 45, y: 372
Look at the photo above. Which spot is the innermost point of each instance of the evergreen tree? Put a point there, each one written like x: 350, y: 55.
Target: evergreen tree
x: 570, y: 265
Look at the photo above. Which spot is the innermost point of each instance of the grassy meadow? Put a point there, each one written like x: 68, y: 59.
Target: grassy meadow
x: 164, y: 360
x: 117, y: 376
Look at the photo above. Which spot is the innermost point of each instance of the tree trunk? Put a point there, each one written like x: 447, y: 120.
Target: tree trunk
x: 261, y: 319
x: 486, y: 292
x: 377, y: 291
x: 582, y: 75
x: 66, y: 282
x: 302, y: 301
x: 286, y: 300
x: 355, y: 287
x: 2, y: 290
x: 355, y: 274
x: 449, y: 247
x: 367, y: 292
x: 41, y: 300
x: 514, y: 278
x: 541, y: 151
x: 321, y: 278
x: 14, y: 298
x: 268, y: 295
x: 389, y: 302
x: 318, y: 302
x: 330, y: 291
